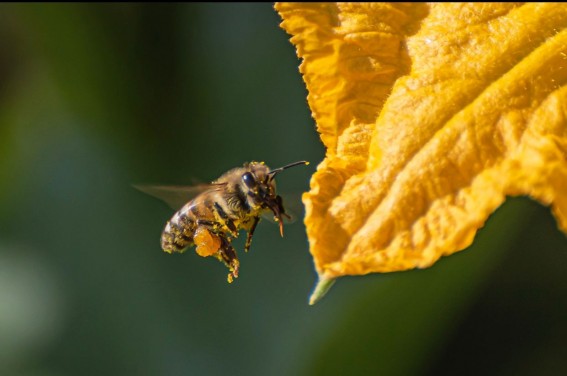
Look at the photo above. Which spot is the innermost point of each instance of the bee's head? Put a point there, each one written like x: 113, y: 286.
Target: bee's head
x: 259, y: 185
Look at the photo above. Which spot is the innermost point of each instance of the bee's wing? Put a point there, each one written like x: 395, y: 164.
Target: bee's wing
x: 175, y: 195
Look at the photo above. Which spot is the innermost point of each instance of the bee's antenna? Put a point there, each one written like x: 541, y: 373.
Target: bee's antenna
x: 275, y: 171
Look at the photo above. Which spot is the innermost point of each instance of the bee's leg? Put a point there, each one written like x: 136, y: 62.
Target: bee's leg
x: 227, y: 255
x: 226, y: 220
x: 210, y: 243
x: 279, y: 200
x: 208, y: 224
x: 251, y: 233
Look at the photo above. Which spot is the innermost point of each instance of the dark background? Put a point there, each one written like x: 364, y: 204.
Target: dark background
x: 94, y: 98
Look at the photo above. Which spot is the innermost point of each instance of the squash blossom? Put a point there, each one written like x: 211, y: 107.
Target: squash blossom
x: 431, y: 114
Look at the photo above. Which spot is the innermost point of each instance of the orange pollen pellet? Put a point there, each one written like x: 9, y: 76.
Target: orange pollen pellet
x: 207, y: 243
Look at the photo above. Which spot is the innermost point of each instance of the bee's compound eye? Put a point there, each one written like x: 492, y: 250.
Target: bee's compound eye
x: 248, y: 179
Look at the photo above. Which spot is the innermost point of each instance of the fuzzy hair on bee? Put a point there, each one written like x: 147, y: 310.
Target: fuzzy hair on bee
x: 219, y: 210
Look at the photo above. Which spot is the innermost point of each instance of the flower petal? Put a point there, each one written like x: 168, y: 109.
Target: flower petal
x: 431, y: 115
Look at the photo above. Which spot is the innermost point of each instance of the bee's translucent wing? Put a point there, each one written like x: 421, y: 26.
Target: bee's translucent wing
x: 175, y: 195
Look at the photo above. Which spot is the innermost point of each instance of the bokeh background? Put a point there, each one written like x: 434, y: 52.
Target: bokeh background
x: 94, y: 98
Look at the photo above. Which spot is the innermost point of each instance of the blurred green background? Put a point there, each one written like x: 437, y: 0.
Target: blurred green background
x: 94, y: 98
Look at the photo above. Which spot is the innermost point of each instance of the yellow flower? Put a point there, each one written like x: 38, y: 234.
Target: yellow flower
x: 431, y: 115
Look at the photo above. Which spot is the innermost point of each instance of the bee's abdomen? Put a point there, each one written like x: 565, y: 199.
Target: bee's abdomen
x: 179, y: 231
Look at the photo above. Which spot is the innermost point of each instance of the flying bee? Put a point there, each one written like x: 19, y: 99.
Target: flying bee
x: 219, y: 210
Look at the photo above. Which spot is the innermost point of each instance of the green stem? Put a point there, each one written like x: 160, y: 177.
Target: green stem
x: 321, y: 288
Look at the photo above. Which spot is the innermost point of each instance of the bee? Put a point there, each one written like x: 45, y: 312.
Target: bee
x: 213, y: 218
